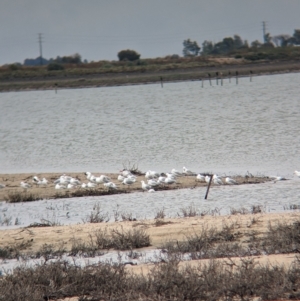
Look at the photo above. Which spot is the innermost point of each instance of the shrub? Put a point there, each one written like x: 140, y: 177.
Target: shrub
x: 55, y: 67
x: 130, y: 55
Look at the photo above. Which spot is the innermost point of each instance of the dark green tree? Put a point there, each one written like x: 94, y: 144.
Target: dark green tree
x: 256, y: 44
x: 71, y: 59
x: 130, y: 55
x: 207, y: 47
x: 296, y: 37
x: 282, y: 40
x: 190, y: 48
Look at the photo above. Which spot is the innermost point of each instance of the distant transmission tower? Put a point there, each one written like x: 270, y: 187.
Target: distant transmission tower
x: 264, y: 31
x: 41, y: 49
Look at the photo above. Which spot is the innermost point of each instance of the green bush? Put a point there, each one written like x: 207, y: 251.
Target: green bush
x: 55, y: 66
x: 130, y: 55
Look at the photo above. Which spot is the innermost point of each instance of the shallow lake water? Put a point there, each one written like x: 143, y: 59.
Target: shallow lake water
x: 229, y: 130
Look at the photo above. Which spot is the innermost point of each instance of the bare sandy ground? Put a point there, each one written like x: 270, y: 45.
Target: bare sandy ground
x: 12, y: 184
x: 176, y: 229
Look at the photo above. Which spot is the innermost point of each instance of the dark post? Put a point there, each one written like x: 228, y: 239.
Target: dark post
x: 211, y: 176
x: 217, y: 77
x: 209, y: 78
x: 161, y: 82
x: 55, y: 88
x: 250, y: 76
x: 237, y: 77
x: 201, y: 82
x: 221, y: 74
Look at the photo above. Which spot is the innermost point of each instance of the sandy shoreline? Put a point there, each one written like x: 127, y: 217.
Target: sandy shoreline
x: 242, y: 226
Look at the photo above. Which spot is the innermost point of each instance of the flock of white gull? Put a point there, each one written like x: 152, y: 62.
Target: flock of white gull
x: 153, y: 178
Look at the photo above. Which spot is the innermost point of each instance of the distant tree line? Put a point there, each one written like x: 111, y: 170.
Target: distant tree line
x: 190, y: 49
x: 71, y: 59
x: 229, y: 44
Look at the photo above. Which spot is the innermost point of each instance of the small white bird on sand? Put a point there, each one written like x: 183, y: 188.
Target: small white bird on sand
x: 152, y: 183
x: 43, y: 182
x: 207, y: 179
x: 110, y: 186
x: 128, y: 181
x: 60, y: 186
x: 230, y: 181
x: 297, y: 173
x: 91, y: 185
x: 145, y: 186
x: 121, y: 178
x: 71, y: 186
x: 2, y: 186
x: 151, y: 190
x: 176, y: 173
x: 151, y: 174
x: 277, y: 178
x: 217, y: 181
x: 35, y: 179
x: 169, y: 180
x: 89, y: 176
x: 75, y: 181
x: 25, y: 185
x: 187, y: 171
x: 125, y: 172
x: 200, y: 178
x: 102, y: 179
x: 161, y: 180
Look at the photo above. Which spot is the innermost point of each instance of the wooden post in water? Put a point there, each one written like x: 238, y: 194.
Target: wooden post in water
x: 250, y: 76
x: 229, y: 75
x: 217, y: 77
x: 55, y: 88
x: 209, y: 183
x: 237, y: 77
x: 201, y: 82
x: 209, y: 78
x: 161, y: 82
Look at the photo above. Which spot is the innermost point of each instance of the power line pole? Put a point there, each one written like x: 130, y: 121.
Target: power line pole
x: 264, y: 31
x: 41, y: 49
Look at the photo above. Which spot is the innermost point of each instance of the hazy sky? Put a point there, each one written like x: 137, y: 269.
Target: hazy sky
x: 99, y: 29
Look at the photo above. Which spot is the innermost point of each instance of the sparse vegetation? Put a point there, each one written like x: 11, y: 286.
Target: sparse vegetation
x: 166, y: 281
x: 97, y: 215
x: 18, y: 197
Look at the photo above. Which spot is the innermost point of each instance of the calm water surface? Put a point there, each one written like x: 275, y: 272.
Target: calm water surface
x: 229, y: 129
